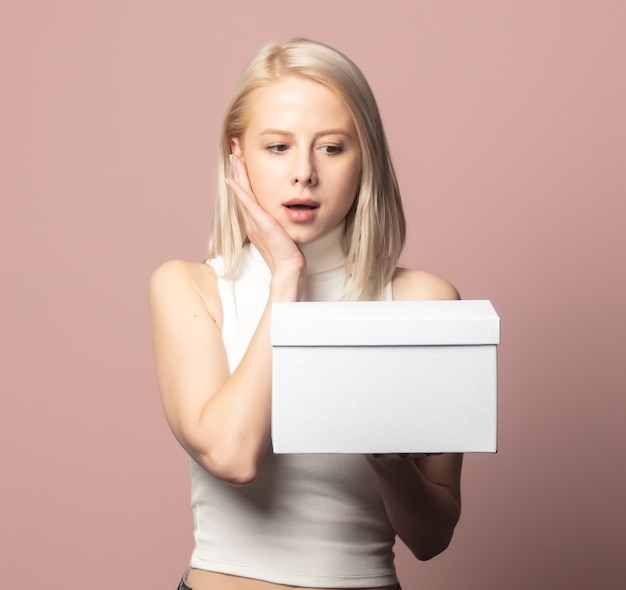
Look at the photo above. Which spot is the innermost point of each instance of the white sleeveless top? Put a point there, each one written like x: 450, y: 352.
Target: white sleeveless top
x: 306, y: 520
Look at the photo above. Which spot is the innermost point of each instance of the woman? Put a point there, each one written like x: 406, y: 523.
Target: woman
x: 307, y: 208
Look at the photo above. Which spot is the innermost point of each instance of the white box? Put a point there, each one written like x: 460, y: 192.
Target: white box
x: 384, y: 377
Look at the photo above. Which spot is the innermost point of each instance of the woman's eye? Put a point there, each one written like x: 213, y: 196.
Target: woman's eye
x: 332, y: 150
x: 278, y: 148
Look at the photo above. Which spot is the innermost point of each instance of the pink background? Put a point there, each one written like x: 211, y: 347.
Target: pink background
x: 507, y: 126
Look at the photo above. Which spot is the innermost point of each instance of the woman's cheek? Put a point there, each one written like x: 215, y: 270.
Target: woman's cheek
x: 255, y: 178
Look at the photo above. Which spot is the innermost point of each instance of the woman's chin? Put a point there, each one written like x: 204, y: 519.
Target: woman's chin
x: 303, y: 235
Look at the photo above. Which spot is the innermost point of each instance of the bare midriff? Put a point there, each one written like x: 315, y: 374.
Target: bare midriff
x: 204, y: 580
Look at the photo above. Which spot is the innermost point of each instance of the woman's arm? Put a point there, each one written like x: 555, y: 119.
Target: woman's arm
x: 422, y: 494
x: 222, y: 420
x: 422, y: 497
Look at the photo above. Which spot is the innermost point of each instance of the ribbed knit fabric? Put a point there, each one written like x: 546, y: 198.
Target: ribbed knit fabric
x: 306, y: 520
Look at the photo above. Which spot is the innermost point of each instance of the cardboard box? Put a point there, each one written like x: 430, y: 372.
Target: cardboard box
x: 384, y: 377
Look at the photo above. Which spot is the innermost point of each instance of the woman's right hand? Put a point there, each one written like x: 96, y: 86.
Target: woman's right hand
x: 279, y: 251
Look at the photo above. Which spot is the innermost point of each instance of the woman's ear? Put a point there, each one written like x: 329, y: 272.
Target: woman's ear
x: 235, y: 147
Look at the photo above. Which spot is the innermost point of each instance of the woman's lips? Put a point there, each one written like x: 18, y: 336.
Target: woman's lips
x: 301, y: 210
x: 301, y: 204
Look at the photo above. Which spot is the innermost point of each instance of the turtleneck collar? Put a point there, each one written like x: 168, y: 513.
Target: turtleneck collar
x: 325, y: 253
x: 325, y: 266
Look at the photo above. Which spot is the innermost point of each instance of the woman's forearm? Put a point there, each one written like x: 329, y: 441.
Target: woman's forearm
x: 221, y: 419
x: 422, y: 512
x: 236, y: 419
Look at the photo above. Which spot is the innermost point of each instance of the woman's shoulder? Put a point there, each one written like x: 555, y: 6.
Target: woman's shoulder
x: 410, y: 285
x: 183, y: 272
x: 178, y: 281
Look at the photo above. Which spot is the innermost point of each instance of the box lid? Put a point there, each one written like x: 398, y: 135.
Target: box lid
x: 385, y: 323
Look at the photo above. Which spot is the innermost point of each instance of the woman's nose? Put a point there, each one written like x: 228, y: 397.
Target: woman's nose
x: 304, y: 172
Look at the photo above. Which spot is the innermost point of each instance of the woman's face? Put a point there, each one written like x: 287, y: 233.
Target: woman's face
x: 303, y: 156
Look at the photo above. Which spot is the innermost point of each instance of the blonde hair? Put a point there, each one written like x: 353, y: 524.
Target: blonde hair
x: 375, y: 225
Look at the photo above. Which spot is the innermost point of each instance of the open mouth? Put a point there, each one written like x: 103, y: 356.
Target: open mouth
x: 302, y: 205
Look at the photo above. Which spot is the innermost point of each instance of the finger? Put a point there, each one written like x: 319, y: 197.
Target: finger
x: 255, y: 218
x: 244, y: 198
x: 240, y: 183
x: 240, y: 173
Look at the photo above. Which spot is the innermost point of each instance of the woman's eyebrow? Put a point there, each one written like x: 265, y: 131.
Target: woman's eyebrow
x: 316, y: 135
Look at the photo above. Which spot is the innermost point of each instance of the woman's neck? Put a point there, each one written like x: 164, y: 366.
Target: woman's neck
x: 325, y: 267
x: 325, y: 253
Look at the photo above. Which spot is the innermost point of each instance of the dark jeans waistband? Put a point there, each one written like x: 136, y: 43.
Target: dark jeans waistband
x: 183, y: 585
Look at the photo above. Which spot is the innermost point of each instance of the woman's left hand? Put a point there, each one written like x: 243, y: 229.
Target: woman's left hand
x: 421, y: 493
